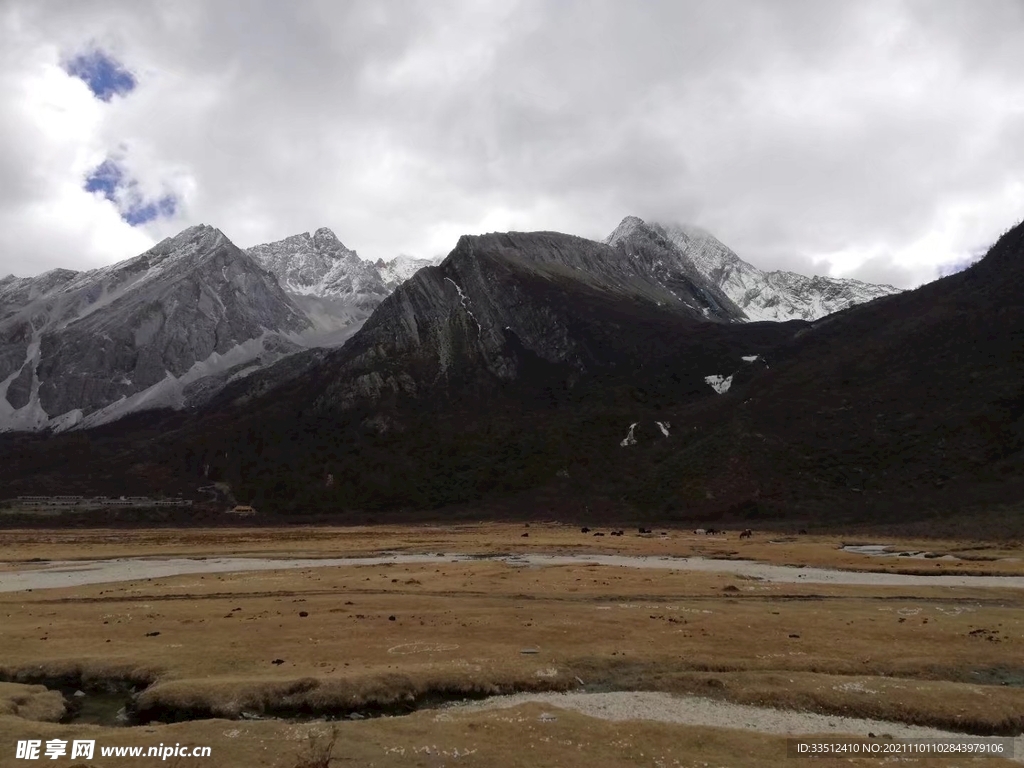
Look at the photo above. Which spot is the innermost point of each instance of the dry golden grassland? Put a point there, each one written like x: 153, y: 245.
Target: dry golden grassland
x: 400, y: 636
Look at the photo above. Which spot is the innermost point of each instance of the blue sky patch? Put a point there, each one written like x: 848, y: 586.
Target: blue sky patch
x: 140, y: 213
x: 105, y: 75
x: 109, y: 179
x: 106, y: 178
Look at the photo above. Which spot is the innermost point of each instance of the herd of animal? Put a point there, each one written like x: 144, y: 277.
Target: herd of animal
x: 746, y: 533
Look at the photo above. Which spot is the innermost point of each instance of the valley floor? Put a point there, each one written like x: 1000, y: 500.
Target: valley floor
x: 666, y: 663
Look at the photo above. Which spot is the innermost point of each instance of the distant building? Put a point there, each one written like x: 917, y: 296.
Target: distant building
x: 242, y: 510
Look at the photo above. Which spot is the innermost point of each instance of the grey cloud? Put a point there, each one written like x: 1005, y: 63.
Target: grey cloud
x: 791, y: 129
x: 882, y: 270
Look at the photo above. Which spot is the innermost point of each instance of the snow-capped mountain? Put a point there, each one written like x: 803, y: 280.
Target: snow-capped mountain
x: 89, y: 347
x: 650, y: 250
x: 399, y: 269
x: 761, y: 295
x: 171, y: 327
x: 331, y: 284
x: 320, y: 265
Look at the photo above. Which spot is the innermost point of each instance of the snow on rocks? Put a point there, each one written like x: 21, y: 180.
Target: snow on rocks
x: 764, y: 296
x: 718, y: 383
x: 664, y: 427
x: 399, y: 269
x: 462, y: 299
x: 629, y: 439
x: 749, y: 358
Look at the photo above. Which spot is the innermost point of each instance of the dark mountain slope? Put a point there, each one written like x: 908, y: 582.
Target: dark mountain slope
x: 909, y: 403
x: 564, y: 300
x: 912, y: 402
x: 484, y: 375
x: 519, y: 365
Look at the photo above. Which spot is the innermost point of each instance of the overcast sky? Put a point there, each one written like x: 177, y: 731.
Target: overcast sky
x: 879, y: 140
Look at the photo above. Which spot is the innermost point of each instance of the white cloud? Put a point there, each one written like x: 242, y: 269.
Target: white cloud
x: 872, y: 139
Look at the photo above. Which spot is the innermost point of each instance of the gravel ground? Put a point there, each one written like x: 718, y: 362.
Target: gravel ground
x: 77, y: 573
x: 691, y: 710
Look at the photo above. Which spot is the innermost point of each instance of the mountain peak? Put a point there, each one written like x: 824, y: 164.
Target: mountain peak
x: 202, y: 237
x: 760, y: 295
x: 321, y: 265
x: 324, y: 238
x: 627, y: 227
x: 199, y: 230
x: 129, y: 336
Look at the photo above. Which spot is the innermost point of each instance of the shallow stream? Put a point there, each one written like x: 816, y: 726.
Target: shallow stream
x: 57, y: 574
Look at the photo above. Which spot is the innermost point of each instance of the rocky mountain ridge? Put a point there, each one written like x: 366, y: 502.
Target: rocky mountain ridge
x: 541, y: 374
x: 82, y: 348
x: 761, y: 295
x: 320, y: 265
x: 500, y: 303
x: 325, y: 292
x: 335, y: 288
x: 510, y: 369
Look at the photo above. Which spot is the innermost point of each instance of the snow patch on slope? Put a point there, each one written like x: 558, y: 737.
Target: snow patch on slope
x: 169, y: 392
x: 462, y: 300
x: 718, y: 383
x: 629, y: 439
x: 31, y: 416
